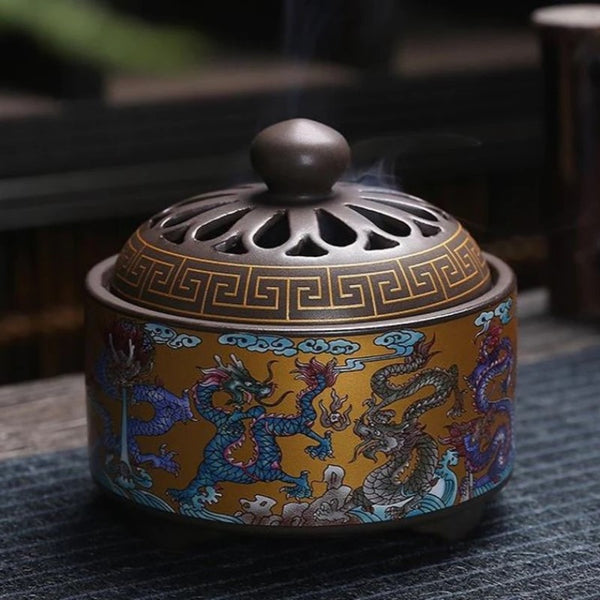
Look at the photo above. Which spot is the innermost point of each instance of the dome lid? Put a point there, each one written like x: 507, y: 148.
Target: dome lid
x: 301, y: 249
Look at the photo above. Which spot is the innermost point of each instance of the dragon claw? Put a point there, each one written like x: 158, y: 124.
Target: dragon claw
x: 296, y: 491
x: 323, y: 450
x: 165, y: 459
x: 395, y: 512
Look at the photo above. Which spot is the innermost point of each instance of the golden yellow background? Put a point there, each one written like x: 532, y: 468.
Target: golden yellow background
x: 178, y: 370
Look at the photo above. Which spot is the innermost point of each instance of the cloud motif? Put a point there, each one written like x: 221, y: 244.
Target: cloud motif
x: 283, y: 346
x: 313, y: 346
x: 335, y: 347
x: 279, y: 345
x: 502, y: 311
x: 161, y: 334
x: 184, y: 341
x: 484, y: 320
x: 402, y: 342
x: 354, y: 364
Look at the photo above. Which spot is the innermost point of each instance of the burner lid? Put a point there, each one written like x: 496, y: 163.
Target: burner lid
x: 301, y: 248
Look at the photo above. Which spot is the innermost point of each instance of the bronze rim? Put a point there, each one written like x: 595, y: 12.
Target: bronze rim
x: 98, y: 282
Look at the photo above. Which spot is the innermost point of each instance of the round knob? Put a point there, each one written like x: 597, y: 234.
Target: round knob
x: 300, y: 157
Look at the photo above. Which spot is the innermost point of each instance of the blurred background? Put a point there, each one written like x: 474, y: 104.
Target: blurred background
x: 113, y: 109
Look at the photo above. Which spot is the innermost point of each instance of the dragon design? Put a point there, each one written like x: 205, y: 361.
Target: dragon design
x: 333, y: 416
x: 218, y: 464
x: 483, y: 446
x: 410, y: 470
x: 168, y: 409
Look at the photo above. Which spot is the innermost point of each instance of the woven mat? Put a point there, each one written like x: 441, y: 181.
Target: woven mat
x: 539, y: 539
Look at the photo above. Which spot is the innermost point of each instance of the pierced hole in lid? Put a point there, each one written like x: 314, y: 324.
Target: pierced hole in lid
x: 378, y: 242
x: 420, y: 212
x: 383, y: 221
x: 205, y: 197
x: 333, y: 230
x: 175, y: 236
x: 417, y: 211
x: 220, y: 225
x: 440, y: 212
x: 179, y: 216
x: 233, y: 245
x: 157, y: 218
x: 274, y: 232
x: 426, y: 229
x: 306, y: 247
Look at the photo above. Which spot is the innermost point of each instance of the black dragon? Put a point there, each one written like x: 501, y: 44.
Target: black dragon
x: 409, y: 472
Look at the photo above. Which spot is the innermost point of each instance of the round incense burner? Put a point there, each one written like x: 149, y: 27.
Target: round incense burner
x: 302, y: 355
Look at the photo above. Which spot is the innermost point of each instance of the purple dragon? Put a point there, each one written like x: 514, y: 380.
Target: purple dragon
x: 119, y: 373
x: 477, y: 441
x: 168, y: 410
x: 218, y: 464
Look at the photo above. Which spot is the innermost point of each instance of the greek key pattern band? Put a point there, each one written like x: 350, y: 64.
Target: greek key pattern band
x: 437, y: 278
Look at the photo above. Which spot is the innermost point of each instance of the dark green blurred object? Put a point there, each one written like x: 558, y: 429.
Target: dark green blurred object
x: 93, y: 33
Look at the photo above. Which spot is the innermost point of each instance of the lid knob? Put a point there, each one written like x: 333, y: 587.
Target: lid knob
x: 300, y: 157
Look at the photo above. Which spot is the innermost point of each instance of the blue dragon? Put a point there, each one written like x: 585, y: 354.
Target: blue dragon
x: 168, y: 408
x: 218, y: 465
x: 475, y: 441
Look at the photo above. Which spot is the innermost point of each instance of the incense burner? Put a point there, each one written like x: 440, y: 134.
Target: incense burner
x: 302, y: 355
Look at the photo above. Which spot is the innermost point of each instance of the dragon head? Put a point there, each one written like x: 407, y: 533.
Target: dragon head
x: 456, y: 435
x: 181, y: 408
x: 422, y: 353
x: 130, y: 351
x: 237, y: 381
x: 462, y: 436
x: 490, y: 341
x: 173, y: 408
x: 380, y: 433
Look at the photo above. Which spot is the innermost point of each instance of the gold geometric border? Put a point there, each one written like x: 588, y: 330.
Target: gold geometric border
x: 442, y: 276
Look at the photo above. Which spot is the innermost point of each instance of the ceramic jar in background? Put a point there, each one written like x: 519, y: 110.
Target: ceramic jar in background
x: 570, y: 42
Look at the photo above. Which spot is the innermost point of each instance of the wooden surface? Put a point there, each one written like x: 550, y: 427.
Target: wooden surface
x: 49, y: 414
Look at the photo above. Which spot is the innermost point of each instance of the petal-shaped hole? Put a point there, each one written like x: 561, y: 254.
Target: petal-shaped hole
x: 180, y: 216
x: 306, y: 247
x: 175, y: 236
x: 274, y: 232
x: 378, y: 242
x: 226, y: 195
x: 333, y: 230
x: 233, y: 245
x: 426, y: 229
x: 158, y: 218
x: 220, y: 225
x: 417, y: 211
x: 440, y: 212
x: 384, y: 222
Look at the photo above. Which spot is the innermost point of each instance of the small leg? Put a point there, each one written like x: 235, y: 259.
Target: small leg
x: 173, y: 537
x: 164, y: 460
x: 188, y: 493
x: 456, y: 525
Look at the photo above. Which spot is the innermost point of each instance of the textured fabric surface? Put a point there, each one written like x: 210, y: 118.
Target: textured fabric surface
x: 540, y: 538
